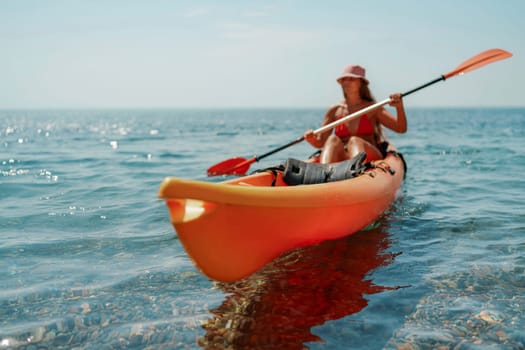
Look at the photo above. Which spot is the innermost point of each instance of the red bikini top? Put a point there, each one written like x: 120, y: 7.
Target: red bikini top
x: 365, y: 128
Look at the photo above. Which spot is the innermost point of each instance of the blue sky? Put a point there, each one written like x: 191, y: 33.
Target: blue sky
x: 215, y: 54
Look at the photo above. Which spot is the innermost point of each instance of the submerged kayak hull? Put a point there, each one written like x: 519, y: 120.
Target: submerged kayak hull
x: 233, y: 228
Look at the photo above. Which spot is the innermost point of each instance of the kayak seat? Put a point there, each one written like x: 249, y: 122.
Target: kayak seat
x: 297, y: 172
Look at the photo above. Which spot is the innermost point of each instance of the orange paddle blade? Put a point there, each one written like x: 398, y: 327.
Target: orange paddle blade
x: 232, y: 166
x: 478, y: 61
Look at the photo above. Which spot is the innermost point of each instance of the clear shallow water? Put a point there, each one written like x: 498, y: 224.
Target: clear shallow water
x: 89, y: 260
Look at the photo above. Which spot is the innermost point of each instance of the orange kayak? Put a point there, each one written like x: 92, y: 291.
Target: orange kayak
x: 233, y: 228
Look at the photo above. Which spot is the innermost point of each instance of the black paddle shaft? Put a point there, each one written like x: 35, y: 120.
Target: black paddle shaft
x: 441, y: 78
x: 294, y: 142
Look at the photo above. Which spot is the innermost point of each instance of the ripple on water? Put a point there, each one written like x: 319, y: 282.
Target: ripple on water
x: 479, y: 307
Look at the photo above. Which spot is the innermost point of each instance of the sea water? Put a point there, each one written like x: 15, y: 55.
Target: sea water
x: 89, y: 260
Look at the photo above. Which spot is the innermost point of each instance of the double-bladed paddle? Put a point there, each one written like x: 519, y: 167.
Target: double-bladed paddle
x: 239, y: 165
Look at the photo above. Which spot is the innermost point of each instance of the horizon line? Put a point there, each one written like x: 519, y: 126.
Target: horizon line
x: 235, y: 108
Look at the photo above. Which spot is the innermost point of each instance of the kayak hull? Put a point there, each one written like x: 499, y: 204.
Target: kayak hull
x: 233, y: 228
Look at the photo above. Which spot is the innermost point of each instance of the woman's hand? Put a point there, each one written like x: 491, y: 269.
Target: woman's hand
x: 396, y: 100
x: 399, y: 123
x: 310, y: 137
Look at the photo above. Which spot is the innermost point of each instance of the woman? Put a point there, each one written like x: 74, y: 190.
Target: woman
x: 362, y: 134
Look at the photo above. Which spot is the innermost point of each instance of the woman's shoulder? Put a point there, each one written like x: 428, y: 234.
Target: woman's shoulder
x: 333, y: 108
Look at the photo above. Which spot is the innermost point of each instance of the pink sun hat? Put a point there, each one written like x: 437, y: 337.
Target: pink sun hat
x: 353, y: 71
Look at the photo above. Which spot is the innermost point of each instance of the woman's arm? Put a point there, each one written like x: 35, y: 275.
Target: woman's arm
x: 399, y: 123
x: 318, y: 140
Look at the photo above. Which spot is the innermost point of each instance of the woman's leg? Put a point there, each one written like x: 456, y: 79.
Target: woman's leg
x: 333, y: 150
x: 356, y: 145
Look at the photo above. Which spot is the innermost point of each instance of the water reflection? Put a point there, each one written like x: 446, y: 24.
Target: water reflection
x: 277, y: 307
